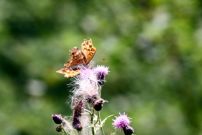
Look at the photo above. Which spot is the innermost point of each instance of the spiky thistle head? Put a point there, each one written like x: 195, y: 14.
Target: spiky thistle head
x: 101, y: 72
x: 121, y: 121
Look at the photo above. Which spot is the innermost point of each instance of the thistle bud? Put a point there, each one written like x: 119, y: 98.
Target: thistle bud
x: 96, y: 101
x: 57, y: 118
x: 98, y: 104
x: 128, y: 130
x: 59, y: 128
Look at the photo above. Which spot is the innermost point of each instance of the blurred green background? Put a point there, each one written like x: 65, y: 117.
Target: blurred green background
x: 153, y: 49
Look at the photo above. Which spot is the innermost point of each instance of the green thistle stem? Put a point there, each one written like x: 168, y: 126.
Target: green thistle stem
x: 99, y: 118
x: 92, y: 116
x: 64, y: 132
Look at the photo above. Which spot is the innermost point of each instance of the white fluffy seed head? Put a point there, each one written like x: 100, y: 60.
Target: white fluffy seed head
x: 85, y: 84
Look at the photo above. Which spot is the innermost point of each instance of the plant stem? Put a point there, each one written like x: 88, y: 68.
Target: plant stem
x: 99, y: 117
x: 92, y: 128
x: 65, y: 132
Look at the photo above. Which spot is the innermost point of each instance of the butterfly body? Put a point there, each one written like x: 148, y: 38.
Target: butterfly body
x: 78, y: 58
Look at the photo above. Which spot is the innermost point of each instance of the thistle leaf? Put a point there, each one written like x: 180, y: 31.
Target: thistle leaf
x: 105, y: 119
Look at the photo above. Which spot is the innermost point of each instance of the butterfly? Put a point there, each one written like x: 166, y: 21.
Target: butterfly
x: 77, y: 58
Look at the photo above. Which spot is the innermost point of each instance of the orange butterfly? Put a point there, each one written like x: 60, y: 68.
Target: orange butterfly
x: 78, y: 57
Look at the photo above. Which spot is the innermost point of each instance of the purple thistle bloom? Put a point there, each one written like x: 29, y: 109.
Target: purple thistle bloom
x: 57, y: 118
x: 122, y: 121
x: 101, y: 72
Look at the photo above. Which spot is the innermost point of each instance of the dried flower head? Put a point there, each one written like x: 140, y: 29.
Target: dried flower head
x: 76, y: 124
x: 78, y: 109
x: 122, y: 121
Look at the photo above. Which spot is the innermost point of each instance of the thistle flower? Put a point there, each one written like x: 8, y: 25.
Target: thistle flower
x: 57, y: 118
x: 123, y: 122
x: 86, y: 95
x: 101, y: 72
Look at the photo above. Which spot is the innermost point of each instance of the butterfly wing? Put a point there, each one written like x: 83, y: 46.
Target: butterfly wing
x: 76, y: 58
x: 88, y: 50
x: 70, y: 67
x: 68, y: 72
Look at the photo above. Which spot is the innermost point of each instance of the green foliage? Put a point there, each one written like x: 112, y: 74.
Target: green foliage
x: 153, y: 49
